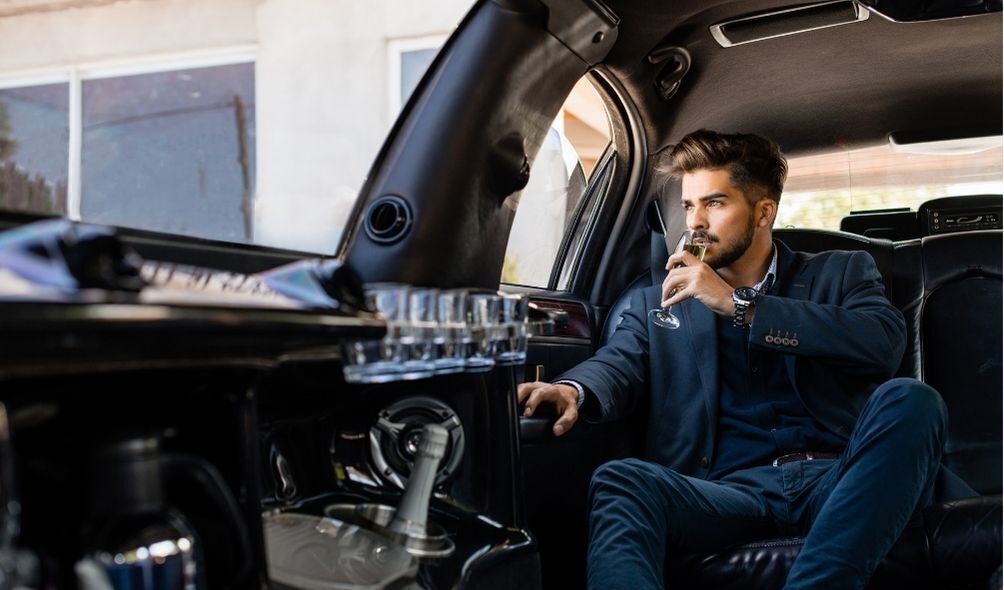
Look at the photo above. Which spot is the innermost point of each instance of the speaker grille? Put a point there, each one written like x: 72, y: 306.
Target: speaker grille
x: 787, y: 22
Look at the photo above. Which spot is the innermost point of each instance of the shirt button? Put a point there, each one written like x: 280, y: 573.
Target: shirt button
x: 705, y: 462
x: 756, y: 369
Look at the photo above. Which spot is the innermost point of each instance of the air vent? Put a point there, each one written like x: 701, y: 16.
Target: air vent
x: 388, y: 219
x: 787, y: 22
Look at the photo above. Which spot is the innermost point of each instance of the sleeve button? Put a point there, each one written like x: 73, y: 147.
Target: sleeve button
x: 705, y: 462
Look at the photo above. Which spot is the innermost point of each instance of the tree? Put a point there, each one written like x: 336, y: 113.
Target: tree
x: 19, y: 191
x: 7, y: 143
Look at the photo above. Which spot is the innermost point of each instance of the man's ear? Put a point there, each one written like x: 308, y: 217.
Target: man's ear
x: 766, y: 212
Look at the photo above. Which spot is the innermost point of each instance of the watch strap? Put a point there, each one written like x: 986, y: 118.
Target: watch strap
x: 742, y: 305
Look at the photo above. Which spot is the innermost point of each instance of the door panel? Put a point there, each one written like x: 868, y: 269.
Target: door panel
x: 557, y: 469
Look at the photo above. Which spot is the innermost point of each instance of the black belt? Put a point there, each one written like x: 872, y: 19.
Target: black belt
x: 806, y: 456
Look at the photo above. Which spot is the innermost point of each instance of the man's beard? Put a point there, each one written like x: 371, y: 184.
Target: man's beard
x: 731, y: 251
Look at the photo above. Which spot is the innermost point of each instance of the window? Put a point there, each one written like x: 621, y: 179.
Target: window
x: 822, y: 189
x: 547, y: 206
x: 170, y: 150
x: 34, y: 143
x: 408, y: 61
x: 124, y: 113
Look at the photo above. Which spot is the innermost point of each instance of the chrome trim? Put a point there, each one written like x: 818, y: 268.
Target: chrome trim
x: 860, y: 13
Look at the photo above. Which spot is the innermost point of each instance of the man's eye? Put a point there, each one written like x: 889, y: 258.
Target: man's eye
x: 687, y: 206
x: 714, y: 203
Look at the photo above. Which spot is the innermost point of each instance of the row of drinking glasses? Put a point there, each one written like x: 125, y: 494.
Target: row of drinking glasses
x: 437, y: 332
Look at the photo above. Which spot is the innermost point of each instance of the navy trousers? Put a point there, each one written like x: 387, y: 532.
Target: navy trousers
x: 853, y: 509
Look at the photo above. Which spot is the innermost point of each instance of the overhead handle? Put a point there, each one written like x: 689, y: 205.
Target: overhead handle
x: 677, y: 59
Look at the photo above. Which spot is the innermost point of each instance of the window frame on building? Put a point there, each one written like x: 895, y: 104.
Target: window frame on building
x: 75, y: 75
x: 396, y: 48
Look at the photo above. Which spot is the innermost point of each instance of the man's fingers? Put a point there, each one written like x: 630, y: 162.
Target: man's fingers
x: 566, y: 420
x: 671, y: 283
x: 682, y: 258
x: 681, y: 294
x: 562, y: 397
x: 523, y: 390
x: 531, y: 404
x: 536, y: 396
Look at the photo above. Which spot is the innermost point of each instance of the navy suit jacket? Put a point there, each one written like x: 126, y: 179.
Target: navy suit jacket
x: 849, y: 336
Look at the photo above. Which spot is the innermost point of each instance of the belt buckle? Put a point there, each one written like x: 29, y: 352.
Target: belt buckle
x: 790, y: 457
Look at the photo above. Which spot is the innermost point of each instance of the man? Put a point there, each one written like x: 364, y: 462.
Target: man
x: 771, y: 409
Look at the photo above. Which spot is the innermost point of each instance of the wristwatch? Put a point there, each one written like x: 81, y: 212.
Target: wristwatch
x: 744, y: 298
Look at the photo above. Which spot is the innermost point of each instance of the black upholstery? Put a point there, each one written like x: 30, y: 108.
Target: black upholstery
x: 818, y: 240
x: 960, y: 336
x: 890, y: 224
x: 945, y: 546
x: 949, y: 289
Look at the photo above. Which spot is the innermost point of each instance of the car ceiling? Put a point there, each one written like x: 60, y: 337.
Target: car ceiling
x: 844, y: 86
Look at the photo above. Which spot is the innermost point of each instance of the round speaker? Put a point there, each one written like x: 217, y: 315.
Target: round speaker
x: 395, y: 435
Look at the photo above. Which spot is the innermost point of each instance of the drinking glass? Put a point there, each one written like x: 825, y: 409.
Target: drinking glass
x: 482, y: 318
x: 380, y: 361
x: 450, y: 335
x: 663, y: 316
x: 510, y: 338
x: 418, y: 335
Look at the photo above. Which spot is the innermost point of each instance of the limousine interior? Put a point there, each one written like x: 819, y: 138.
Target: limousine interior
x: 211, y: 415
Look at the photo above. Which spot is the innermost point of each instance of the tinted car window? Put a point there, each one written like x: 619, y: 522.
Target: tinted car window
x: 822, y: 189
x: 547, y: 207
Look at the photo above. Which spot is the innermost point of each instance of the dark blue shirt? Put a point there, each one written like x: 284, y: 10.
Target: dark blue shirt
x: 760, y: 416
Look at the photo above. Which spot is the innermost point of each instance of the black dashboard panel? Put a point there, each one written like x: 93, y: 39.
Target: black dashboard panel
x: 958, y: 214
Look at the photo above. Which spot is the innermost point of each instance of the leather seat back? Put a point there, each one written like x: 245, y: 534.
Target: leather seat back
x: 960, y: 338
x: 820, y: 240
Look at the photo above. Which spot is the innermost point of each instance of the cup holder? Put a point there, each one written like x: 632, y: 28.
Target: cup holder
x: 433, y: 543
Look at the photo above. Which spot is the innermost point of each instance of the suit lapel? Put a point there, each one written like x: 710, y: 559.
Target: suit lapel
x: 699, y: 322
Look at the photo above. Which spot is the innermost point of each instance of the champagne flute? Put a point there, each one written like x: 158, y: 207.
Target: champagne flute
x: 663, y: 316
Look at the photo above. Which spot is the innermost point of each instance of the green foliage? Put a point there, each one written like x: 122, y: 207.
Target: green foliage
x: 825, y: 209
x: 510, y: 269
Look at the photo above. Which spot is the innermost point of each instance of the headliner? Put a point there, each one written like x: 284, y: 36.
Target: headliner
x: 845, y: 86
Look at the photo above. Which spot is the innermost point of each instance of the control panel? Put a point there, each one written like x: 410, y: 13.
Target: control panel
x: 960, y: 214
x: 955, y: 221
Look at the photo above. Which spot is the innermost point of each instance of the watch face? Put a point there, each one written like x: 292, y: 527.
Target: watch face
x: 746, y: 294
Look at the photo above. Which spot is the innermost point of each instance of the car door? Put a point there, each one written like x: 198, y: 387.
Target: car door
x: 574, y: 247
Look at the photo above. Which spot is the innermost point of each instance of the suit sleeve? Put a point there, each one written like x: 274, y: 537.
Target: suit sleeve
x: 617, y: 375
x: 853, y: 325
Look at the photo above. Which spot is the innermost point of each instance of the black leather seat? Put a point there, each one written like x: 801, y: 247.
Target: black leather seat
x: 949, y: 288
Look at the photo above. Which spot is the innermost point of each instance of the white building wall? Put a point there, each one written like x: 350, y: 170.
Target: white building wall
x: 321, y: 81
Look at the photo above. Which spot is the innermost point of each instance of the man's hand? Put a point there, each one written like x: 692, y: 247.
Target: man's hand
x: 696, y: 280
x: 563, y: 397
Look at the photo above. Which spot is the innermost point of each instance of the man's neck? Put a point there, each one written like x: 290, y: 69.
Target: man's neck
x: 751, y: 267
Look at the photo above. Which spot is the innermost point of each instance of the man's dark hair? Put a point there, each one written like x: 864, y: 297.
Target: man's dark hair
x: 755, y: 164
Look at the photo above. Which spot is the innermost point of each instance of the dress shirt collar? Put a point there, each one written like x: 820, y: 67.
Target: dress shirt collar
x: 768, y: 280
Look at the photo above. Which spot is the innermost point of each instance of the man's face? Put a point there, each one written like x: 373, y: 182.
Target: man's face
x: 718, y: 214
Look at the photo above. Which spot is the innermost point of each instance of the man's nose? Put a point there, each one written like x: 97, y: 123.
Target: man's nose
x: 697, y: 219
